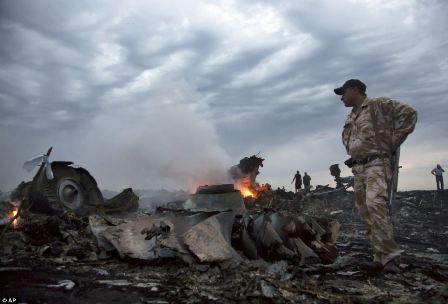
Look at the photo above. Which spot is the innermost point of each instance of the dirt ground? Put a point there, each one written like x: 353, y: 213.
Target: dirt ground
x: 421, y: 227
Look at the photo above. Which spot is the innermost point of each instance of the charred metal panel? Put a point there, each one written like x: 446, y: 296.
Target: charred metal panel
x: 216, y: 202
x: 209, y: 240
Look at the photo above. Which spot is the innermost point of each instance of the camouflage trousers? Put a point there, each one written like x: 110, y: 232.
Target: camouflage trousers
x: 371, y: 200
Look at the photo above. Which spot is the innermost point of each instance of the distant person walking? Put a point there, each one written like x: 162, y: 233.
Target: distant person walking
x: 437, y: 172
x: 298, y: 179
x: 307, y: 181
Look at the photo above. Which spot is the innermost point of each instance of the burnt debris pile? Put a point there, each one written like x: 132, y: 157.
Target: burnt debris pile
x: 212, y: 248
x: 211, y: 226
x: 61, y: 241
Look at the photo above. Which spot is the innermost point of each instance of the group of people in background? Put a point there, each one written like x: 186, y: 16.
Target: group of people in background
x: 298, y: 179
x: 306, y: 180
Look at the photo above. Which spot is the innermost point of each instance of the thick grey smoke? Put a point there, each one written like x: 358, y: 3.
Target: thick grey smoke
x: 165, y: 144
x: 167, y: 148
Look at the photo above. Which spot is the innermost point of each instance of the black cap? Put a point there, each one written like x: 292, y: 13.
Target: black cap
x: 351, y: 83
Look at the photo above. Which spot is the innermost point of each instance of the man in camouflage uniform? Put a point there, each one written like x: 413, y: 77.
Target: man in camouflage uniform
x: 374, y: 129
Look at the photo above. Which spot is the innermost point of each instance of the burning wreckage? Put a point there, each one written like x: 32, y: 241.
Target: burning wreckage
x: 212, y: 226
x: 214, y: 246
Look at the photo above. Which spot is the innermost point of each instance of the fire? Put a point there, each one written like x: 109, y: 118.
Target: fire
x: 14, y: 212
x: 245, y: 188
x: 245, y: 192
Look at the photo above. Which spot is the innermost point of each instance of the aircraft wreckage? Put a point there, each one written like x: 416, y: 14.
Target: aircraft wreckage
x: 69, y: 247
x: 58, y: 187
x: 215, y: 227
x: 211, y: 226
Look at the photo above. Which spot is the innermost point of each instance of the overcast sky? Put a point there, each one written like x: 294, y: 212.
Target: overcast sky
x: 169, y: 94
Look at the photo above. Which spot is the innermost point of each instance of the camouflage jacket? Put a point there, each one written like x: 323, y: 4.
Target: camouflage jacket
x: 394, y: 122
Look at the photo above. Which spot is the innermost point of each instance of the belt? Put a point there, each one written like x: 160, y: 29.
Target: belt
x: 368, y: 159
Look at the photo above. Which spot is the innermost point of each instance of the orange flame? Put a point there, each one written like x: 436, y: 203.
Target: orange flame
x: 15, y: 223
x: 245, y: 188
x: 245, y: 192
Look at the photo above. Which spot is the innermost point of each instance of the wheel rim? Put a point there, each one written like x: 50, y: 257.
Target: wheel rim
x: 70, y: 194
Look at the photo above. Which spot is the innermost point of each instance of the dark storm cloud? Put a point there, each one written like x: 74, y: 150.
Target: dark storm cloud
x: 248, y: 76
x: 372, y: 52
